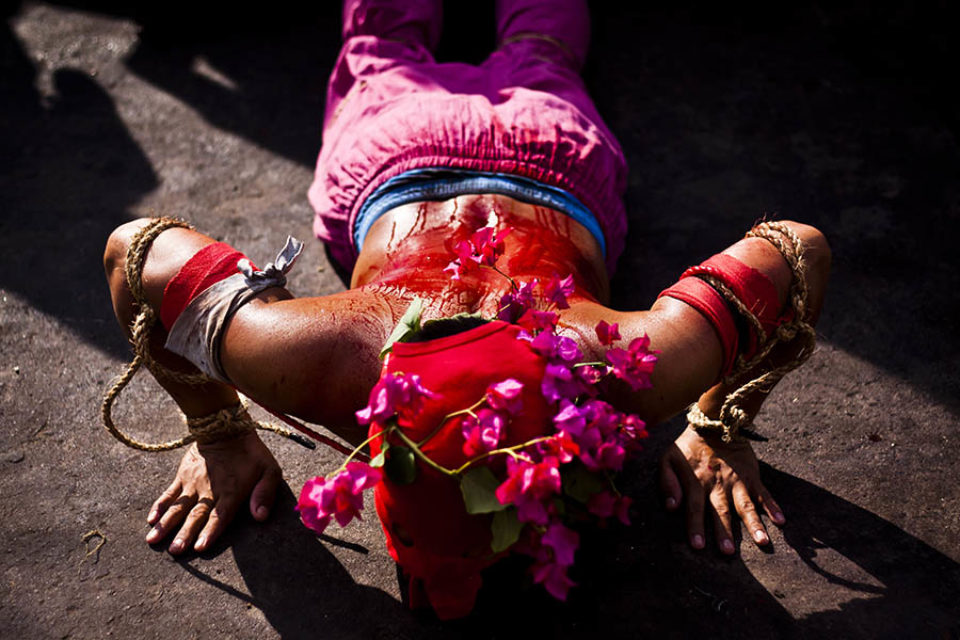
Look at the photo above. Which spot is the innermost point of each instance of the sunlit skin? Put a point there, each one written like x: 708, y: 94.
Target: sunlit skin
x: 316, y: 358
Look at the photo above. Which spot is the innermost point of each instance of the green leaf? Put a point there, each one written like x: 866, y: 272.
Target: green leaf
x: 380, y: 458
x: 580, y: 484
x: 409, y: 323
x: 506, y: 530
x: 479, y: 487
x: 400, y: 465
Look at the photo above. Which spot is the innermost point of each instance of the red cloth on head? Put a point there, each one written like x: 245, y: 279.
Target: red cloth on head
x: 439, y: 545
x: 210, y: 265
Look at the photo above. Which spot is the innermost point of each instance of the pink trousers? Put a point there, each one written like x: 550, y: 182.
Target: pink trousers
x: 523, y: 111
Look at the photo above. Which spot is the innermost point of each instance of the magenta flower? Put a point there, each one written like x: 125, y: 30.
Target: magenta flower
x: 562, y: 541
x: 604, y: 504
x: 516, y: 304
x: 554, y: 579
x: 557, y: 291
x: 533, y: 320
x: 528, y: 486
x: 607, y: 333
x: 398, y: 394
x: 556, y: 348
x: 561, y: 446
x: 635, y: 364
x: 487, y: 247
x: 559, y: 382
x: 340, y: 497
x: 569, y: 419
x: 483, y: 433
x: 505, y: 396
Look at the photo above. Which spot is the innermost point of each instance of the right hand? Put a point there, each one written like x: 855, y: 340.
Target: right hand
x: 211, y: 483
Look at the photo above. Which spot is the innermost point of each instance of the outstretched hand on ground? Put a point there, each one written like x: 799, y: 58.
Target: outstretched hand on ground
x: 212, y: 482
x: 695, y: 468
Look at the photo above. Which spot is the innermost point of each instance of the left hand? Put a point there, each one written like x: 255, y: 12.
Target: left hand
x: 695, y: 468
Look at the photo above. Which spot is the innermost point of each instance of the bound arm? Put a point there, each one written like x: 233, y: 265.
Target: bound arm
x: 298, y: 356
x: 708, y: 477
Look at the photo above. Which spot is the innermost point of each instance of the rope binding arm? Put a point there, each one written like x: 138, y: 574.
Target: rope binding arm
x: 226, y: 423
x: 733, y: 419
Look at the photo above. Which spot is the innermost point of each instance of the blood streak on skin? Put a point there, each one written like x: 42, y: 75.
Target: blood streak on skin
x: 422, y: 239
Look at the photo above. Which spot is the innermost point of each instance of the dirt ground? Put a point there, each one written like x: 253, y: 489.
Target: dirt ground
x: 833, y: 116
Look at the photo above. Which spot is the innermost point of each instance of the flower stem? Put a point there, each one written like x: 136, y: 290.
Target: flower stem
x: 356, y: 450
x: 508, y: 450
x: 420, y: 454
x: 468, y: 410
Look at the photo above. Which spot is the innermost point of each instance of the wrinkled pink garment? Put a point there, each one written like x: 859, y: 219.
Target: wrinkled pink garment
x: 523, y: 111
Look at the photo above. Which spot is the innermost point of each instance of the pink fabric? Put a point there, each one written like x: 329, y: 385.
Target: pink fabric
x: 524, y: 111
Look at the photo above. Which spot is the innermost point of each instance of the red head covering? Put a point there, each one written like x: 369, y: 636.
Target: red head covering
x: 429, y: 533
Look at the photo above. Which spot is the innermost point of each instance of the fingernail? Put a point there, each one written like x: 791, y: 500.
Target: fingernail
x: 727, y: 546
x: 261, y: 512
x: 153, y: 535
x: 201, y: 543
x: 671, y: 503
x: 760, y: 537
x: 152, y: 516
x: 697, y: 541
x: 778, y: 517
x: 176, y: 546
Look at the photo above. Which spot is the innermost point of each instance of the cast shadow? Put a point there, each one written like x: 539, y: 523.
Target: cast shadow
x: 298, y: 584
x: 68, y: 174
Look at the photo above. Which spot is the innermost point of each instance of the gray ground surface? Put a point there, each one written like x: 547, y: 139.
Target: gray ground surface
x: 834, y: 117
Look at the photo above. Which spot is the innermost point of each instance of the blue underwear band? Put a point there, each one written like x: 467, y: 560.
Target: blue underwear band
x: 419, y: 185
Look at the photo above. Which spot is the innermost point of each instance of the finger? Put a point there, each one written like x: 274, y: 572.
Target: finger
x: 164, y: 501
x: 670, y: 484
x: 171, y: 518
x: 220, y: 516
x: 695, y: 517
x: 194, y: 522
x: 771, y: 507
x: 748, y: 513
x: 723, y: 520
x: 261, y: 500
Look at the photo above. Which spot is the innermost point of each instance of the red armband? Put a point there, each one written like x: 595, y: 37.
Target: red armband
x: 755, y: 290
x: 210, y: 265
x: 708, y: 301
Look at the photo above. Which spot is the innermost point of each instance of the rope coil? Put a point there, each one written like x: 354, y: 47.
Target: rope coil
x: 226, y: 423
x: 732, y: 417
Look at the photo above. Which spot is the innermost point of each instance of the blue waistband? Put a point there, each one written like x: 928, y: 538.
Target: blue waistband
x: 420, y: 185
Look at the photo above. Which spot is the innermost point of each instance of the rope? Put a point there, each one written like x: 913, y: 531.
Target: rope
x: 732, y: 417
x: 222, y: 424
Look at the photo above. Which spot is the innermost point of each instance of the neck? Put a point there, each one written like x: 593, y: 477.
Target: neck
x: 407, y: 249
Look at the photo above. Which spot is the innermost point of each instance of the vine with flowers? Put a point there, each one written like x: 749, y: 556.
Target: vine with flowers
x: 549, y: 478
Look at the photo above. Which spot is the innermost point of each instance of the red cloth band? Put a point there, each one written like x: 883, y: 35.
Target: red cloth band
x: 439, y: 545
x: 708, y: 301
x: 754, y: 289
x: 210, y: 265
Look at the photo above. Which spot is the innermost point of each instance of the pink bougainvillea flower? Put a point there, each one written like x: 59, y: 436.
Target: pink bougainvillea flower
x: 607, y: 333
x: 569, y: 419
x: 561, y: 446
x: 399, y: 394
x: 533, y: 320
x: 559, y: 382
x: 562, y: 541
x: 633, y: 429
x: 634, y: 365
x: 554, y: 579
x: 505, y: 396
x: 465, y: 262
x: 487, y: 246
x: 557, y: 291
x: 604, y: 504
x: 556, y: 348
x: 483, y: 433
x: 528, y: 486
x: 515, y: 304
x: 339, y: 497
